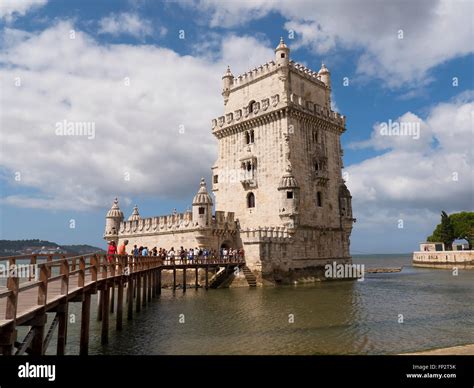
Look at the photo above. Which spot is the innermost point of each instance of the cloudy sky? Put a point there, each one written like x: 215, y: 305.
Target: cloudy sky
x: 148, y: 75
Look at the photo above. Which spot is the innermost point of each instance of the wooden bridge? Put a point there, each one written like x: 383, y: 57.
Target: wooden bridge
x: 33, y: 286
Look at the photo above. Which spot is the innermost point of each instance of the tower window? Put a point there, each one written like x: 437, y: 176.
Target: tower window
x: 201, y: 210
x: 251, y: 106
x: 319, y: 199
x: 216, y: 178
x: 250, y: 200
x: 289, y: 194
x: 282, y: 55
x: 316, y: 166
x: 249, y: 137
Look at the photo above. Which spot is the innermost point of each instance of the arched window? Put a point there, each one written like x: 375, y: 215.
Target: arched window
x: 251, y: 106
x: 250, y: 200
x: 252, y: 136
x: 319, y: 199
x: 247, y: 137
x: 316, y: 166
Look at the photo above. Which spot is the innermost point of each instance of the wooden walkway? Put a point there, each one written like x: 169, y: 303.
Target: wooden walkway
x: 32, y: 286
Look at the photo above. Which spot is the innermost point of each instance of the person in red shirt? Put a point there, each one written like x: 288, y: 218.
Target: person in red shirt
x: 111, y: 251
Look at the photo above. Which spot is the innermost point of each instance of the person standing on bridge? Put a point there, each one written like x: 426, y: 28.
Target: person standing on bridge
x: 111, y: 251
x: 122, y: 249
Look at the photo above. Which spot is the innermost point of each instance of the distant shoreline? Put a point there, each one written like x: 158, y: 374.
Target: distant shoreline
x: 462, y: 350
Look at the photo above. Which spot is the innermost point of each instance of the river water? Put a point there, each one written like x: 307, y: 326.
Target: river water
x: 416, y: 309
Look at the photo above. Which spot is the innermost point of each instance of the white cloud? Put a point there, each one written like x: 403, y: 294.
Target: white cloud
x: 136, y: 126
x: 416, y: 179
x: 433, y: 31
x: 9, y: 9
x: 127, y: 23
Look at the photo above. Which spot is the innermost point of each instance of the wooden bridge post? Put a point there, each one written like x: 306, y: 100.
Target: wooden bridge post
x: 112, y: 274
x: 85, y: 321
x: 207, y: 277
x: 39, y: 320
x: 130, y: 288
x: 145, y: 281
x: 37, y: 324
x: 196, y: 278
x: 82, y: 272
x: 49, y: 260
x: 112, y: 297
x: 139, y: 288
x: 158, y: 286
x: 100, y: 304
x: 9, y: 334
x: 174, y: 278
x: 184, y: 279
x: 119, y: 304
x: 33, y: 262
x: 153, y: 283
x: 104, y: 339
x: 122, y: 263
x: 62, y: 328
x: 43, y: 285
x: 150, y: 282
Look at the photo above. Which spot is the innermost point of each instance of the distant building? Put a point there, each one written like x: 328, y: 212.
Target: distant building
x: 277, y: 181
x: 433, y: 254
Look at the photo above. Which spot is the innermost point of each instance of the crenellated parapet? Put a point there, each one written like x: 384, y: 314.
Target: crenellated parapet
x: 306, y: 72
x: 254, y: 75
x: 175, y: 222
x: 305, y: 105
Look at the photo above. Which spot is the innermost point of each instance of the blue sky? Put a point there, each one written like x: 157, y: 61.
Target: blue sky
x: 407, y: 62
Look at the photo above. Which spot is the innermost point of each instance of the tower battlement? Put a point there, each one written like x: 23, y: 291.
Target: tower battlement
x: 174, y: 222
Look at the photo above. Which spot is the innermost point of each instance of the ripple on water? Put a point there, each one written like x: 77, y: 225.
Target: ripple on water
x: 326, y: 318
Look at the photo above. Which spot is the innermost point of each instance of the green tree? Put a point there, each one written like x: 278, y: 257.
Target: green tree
x: 463, y: 225
x: 453, y: 227
x: 444, y: 232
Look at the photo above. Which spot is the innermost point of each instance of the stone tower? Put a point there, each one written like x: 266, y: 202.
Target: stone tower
x: 279, y: 167
x: 112, y: 222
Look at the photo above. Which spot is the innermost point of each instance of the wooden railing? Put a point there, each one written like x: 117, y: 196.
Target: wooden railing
x: 39, y: 271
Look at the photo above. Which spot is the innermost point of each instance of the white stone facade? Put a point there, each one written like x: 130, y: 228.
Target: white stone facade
x: 277, y: 179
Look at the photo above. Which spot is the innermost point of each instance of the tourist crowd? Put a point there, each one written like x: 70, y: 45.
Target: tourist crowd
x: 181, y: 255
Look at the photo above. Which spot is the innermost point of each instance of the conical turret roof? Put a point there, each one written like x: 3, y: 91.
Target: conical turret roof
x: 202, y: 197
x: 115, y: 211
x: 288, y: 181
x: 135, y: 215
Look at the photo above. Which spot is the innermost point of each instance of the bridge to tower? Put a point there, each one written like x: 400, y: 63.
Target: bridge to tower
x: 38, y: 286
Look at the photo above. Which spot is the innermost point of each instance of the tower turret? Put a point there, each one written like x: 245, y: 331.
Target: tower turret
x: 227, y: 82
x: 202, y: 206
x: 282, y: 54
x: 289, y: 198
x: 325, y: 76
x: 135, y: 216
x: 112, y: 222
